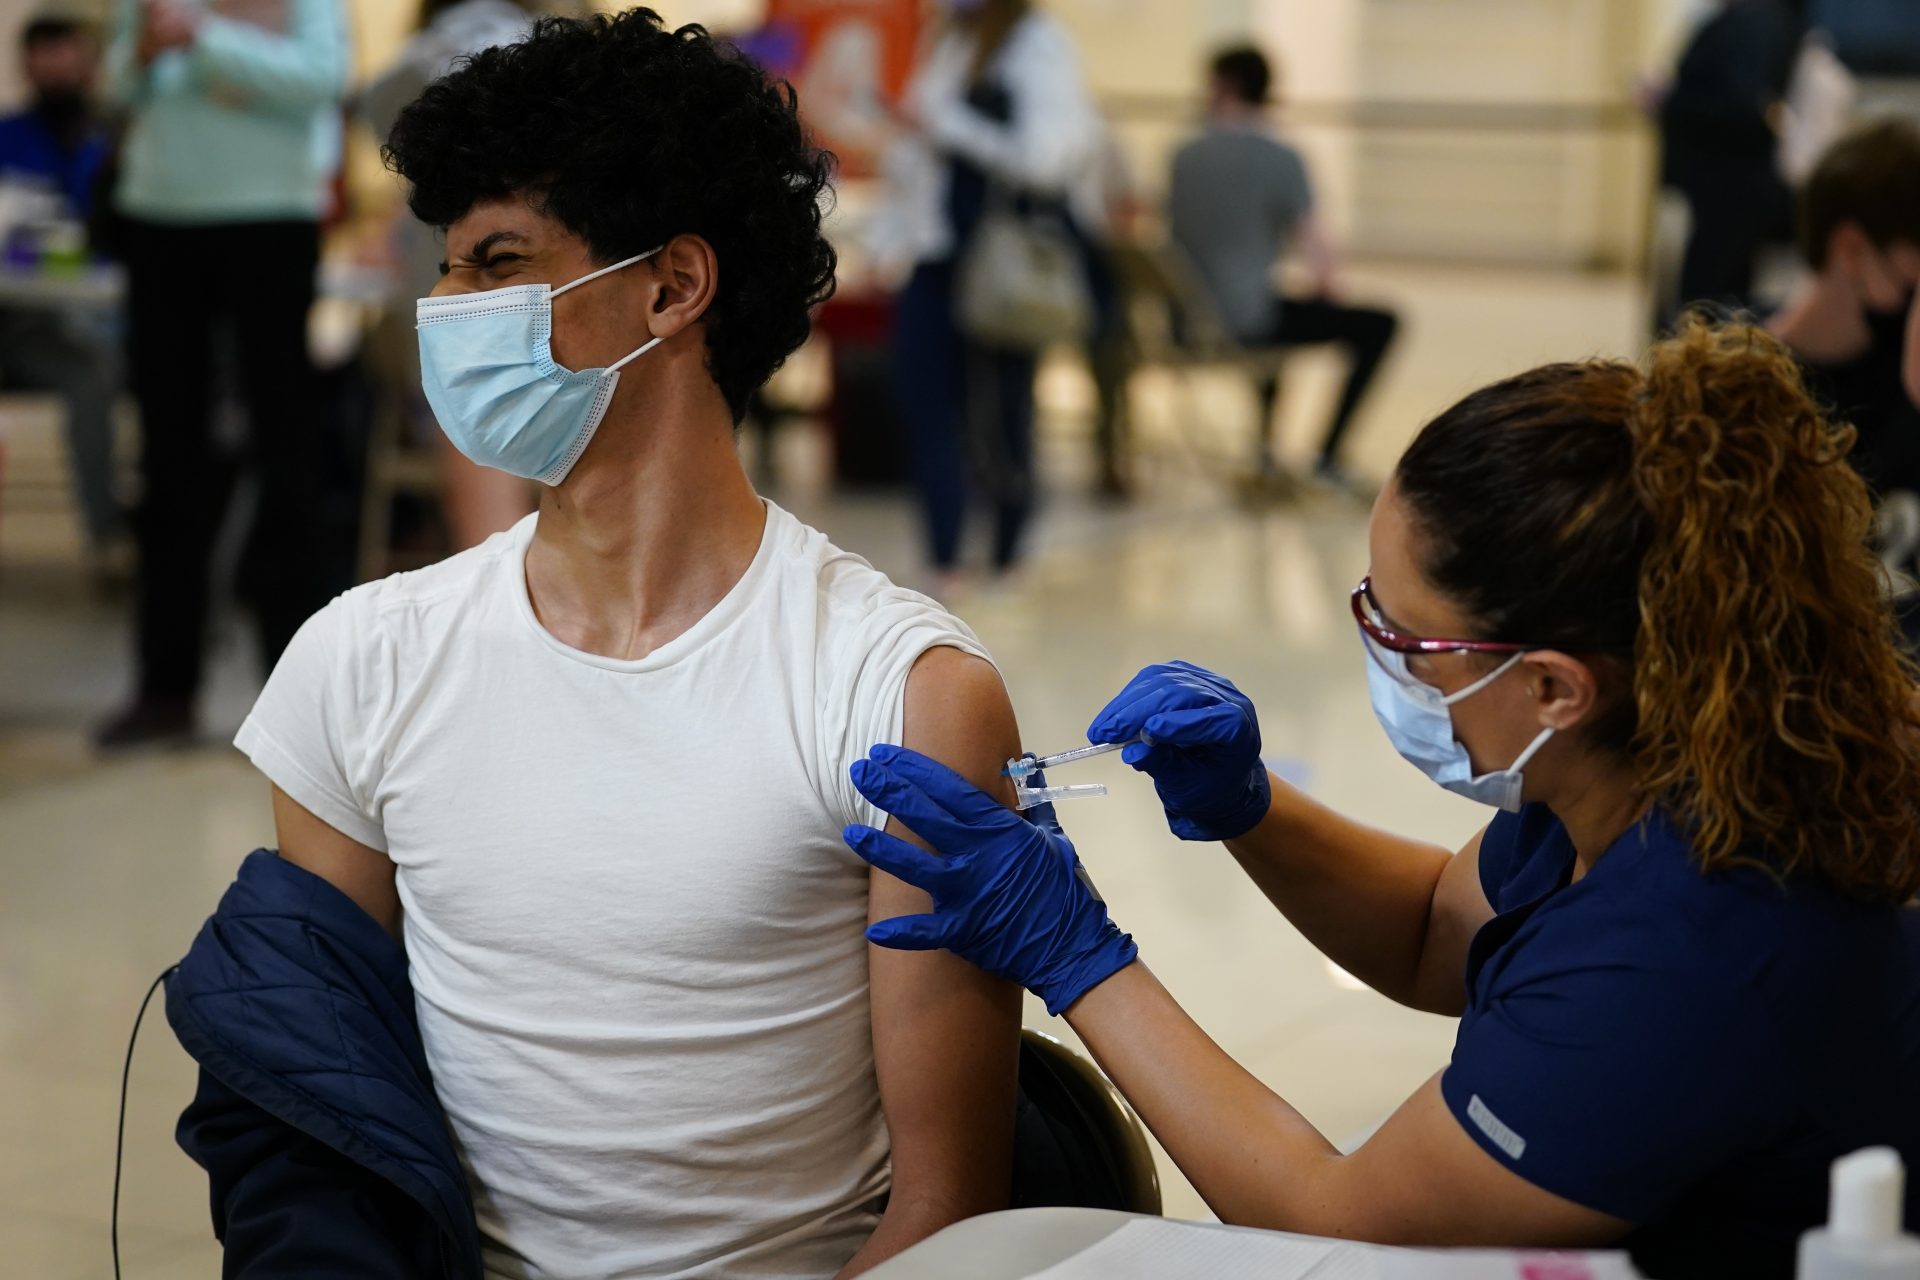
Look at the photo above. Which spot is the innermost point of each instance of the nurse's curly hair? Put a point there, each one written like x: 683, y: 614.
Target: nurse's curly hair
x: 1698, y: 514
x: 629, y: 134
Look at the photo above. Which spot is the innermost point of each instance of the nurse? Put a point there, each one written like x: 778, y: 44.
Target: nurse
x: 1633, y: 611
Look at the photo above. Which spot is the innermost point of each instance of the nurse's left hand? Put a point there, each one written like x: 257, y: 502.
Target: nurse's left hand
x: 1009, y: 895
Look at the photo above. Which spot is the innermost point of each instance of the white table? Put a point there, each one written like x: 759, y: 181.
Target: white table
x: 996, y: 1245
x: 1025, y: 1242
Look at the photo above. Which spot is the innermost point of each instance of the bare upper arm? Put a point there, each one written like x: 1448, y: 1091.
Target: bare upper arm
x: 1423, y: 1180
x: 946, y: 1034
x: 1459, y: 908
x: 363, y: 874
x: 957, y: 712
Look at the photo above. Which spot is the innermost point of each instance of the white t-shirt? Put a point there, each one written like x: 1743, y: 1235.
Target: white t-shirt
x: 634, y: 931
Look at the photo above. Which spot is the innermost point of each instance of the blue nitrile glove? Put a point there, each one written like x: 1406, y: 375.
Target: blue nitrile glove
x: 1009, y: 894
x: 1201, y: 748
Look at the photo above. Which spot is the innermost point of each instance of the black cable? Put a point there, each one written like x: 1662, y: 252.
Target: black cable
x: 120, y: 1139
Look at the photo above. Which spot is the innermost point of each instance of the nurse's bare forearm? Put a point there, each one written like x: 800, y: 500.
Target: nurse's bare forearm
x: 1252, y: 1157
x: 1362, y: 895
x: 1419, y: 1180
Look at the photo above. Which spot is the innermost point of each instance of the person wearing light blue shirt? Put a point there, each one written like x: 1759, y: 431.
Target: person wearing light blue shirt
x: 232, y: 143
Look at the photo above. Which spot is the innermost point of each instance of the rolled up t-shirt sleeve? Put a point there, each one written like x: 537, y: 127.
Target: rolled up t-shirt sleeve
x: 307, y: 731
x: 866, y: 700
x: 1616, y: 1087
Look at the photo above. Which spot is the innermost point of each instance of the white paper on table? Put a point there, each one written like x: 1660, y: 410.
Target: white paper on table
x: 1165, y: 1249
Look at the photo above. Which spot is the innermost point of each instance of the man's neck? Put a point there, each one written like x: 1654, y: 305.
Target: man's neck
x: 68, y: 129
x: 1237, y: 115
x: 1824, y: 322
x: 651, y: 530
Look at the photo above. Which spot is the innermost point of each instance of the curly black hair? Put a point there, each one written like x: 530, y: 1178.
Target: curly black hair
x: 629, y: 134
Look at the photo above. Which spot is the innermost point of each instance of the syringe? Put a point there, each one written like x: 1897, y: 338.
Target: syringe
x: 1027, y: 797
x: 1021, y: 767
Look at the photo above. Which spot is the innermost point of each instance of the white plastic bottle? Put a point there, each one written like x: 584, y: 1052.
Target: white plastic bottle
x: 1862, y: 1239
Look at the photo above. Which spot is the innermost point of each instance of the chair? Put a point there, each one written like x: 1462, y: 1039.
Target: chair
x: 1076, y: 1141
x: 1172, y: 320
x: 395, y: 465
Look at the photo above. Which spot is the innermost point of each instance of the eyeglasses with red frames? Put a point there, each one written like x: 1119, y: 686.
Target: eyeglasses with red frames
x: 1366, y: 612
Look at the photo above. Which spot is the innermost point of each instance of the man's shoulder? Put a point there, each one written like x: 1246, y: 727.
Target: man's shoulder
x: 1276, y: 152
x: 859, y: 609
x: 1233, y: 152
x: 371, y: 609
x: 1240, y: 139
x: 851, y: 588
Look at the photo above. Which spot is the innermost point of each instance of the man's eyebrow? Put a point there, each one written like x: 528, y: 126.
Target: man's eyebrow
x: 486, y: 242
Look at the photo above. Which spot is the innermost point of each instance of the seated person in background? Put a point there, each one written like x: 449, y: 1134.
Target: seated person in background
x: 55, y: 149
x: 1239, y: 198
x: 593, y: 772
x: 1859, y: 230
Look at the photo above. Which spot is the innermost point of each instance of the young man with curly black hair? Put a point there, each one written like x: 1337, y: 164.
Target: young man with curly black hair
x: 593, y: 772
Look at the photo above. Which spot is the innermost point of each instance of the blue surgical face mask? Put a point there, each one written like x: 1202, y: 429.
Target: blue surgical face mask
x: 486, y: 364
x: 1416, y: 718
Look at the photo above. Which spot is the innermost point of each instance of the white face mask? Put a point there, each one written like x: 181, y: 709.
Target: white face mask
x: 1415, y: 716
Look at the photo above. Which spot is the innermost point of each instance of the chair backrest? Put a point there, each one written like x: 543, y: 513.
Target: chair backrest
x: 1077, y: 1142
x: 1170, y: 313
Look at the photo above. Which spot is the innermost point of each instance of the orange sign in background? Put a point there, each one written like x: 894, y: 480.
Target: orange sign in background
x: 852, y: 60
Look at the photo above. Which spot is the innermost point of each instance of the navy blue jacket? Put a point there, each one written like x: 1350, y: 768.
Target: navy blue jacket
x: 315, y: 1118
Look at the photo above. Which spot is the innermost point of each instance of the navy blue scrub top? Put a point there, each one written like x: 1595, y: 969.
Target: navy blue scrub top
x: 1688, y: 1052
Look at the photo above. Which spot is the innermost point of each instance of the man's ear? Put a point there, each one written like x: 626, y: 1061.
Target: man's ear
x: 686, y: 273
x: 1847, y: 244
x: 1564, y: 689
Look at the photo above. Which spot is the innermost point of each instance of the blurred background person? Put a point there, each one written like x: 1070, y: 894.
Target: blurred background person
x: 52, y: 153
x: 1859, y: 230
x: 232, y: 139
x: 1719, y: 147
x: 1108, y: 209
x: 475, y: 502
x: 1000, y: 114
x: 1859, y: 233
x: 1238, y: 201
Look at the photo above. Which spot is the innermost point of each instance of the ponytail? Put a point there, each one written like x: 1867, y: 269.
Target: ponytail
x: 1700, y: 515
x: 1774, y: 706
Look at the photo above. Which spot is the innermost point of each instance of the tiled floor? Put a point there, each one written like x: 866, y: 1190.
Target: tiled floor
x: 106, y: 870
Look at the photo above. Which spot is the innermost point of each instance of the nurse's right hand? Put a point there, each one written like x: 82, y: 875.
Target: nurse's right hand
x: 1201, y: 747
